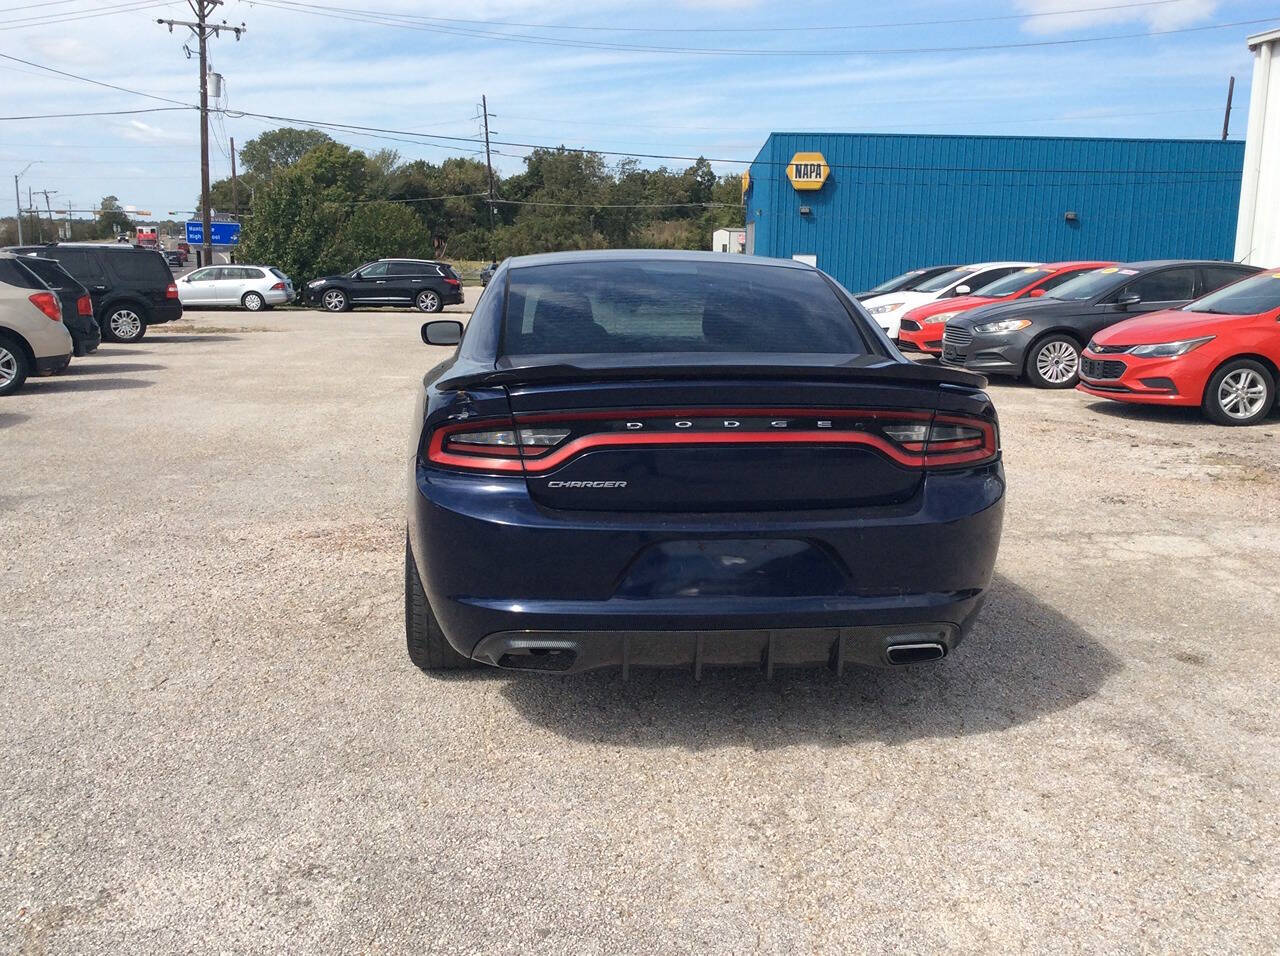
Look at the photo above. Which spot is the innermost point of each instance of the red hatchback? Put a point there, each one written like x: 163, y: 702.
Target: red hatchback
x: 922, y: 327
x: 1221, y: 352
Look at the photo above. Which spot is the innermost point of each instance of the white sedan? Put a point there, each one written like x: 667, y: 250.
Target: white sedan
x: 248, y: 287
x: 888, y: 309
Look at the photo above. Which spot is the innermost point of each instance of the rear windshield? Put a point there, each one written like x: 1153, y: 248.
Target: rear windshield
x: 52, y: 274
x: 1092, y: 284
x: 1252, y: 296
x: 645, y: 306
x: 11, y: 273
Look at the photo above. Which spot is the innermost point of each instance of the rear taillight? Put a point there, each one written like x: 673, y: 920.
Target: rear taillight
x: 84, y: 305
x: 278, y: 287
x: 537, y: 444
x: 453, y: 281
x: 172, y: 291
x: 47, y: 303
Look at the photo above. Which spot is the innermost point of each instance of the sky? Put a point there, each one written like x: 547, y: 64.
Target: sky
x: 618, y: 75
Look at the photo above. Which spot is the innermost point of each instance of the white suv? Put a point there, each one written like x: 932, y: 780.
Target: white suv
x: 32, y: 336
x: 888, y: 309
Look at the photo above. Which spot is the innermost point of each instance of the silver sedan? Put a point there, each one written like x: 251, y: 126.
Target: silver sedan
x: 249, y: 287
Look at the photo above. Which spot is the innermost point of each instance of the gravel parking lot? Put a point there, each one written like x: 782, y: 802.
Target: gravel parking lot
x: 212, y: 739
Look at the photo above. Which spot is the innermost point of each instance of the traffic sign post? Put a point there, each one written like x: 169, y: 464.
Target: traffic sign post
x: 222, y: 233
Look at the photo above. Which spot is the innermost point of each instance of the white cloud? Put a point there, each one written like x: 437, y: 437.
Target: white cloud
x: 1169, y: 15
x: 140, y: 132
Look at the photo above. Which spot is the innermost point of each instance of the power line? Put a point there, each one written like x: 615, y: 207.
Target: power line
x: 154, y: 109
x: 495, y: 24
x: 85, y: 79
x: 70, y: 16
x: 398, y: 20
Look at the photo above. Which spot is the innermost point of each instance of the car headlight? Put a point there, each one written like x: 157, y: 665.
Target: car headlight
x: 1004, y: 325
x: 315, y: 283
x: 887, y: 307
x: 941, y: 317
x: 1170, y: 349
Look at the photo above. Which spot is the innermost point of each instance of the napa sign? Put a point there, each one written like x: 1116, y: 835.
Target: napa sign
x: 808, y: 171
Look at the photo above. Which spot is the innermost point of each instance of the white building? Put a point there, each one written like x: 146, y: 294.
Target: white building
x: 1258, y: 228
x: 729, y: 240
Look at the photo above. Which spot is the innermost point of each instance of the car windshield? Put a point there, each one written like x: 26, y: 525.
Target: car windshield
x: 897, y: 282
x: 1012, y: 283
x: 655, y: 306
x: 948, y: 278
x: 1092, y: 284
x: 1252, y: 296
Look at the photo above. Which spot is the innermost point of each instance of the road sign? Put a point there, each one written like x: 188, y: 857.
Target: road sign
x: 224, y: 233
x: 808, y: 171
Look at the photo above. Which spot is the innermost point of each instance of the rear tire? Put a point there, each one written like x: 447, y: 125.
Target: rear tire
x: 14, y: 367
x: 253, y: 301
x: 1054, y: 362
x: 124, y: 323
x: 1242, y: 392
x: 428, y: 300
x: 429, y: 649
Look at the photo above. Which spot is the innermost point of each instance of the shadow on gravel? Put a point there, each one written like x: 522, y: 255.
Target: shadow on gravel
x: 194, y: 337
x: 1151, y: 413
x: 9, y: 419
x: 85, y: 383
x: 111, y: 368
x: 1023, y: 660
x: 107, y: 348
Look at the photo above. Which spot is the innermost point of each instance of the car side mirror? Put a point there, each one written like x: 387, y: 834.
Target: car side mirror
x: 442, y: 332
x: 961, y: 290
x: 1037, y: 293
x: 1127, y: 300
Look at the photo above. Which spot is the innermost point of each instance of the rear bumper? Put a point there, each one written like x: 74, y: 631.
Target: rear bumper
x: 170, y: 311
x: 506, y: 577
x: 85, y: 340
x: 52, y: 364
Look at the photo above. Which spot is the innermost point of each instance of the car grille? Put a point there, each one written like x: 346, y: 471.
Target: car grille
x: 910, y: 325
x: 957, y: 337
x: 1092, y: 368
x: 1097, y: 349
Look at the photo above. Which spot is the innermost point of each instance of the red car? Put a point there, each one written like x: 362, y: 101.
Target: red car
x: 1221, y: 352
x: 922, y: 327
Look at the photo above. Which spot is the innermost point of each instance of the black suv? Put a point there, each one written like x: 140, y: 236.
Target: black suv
x: 131, y: 287
x: 423, y: 283
x: 77, y: 307
x: 1042, y: 338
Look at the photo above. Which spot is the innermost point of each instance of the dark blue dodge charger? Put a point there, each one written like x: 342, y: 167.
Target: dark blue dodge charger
x: 685, y: 459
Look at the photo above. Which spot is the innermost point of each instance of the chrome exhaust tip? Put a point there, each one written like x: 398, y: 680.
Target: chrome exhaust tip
x: 915, y: 653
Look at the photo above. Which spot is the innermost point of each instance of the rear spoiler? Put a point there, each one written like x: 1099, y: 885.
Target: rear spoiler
x: 879, y: 369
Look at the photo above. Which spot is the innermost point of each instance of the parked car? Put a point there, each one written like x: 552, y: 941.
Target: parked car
x: 32, y: 336
x: 238, y: 287
x: 131, y: 287
x: 888, y: 309
x: 425, y: 284
x: 1221, y: 352
x: 912, y: 279
x: 77, y: 306
x: 921, y: 328
x: 1042, y: 339
x: 690, y: 459
x: 487, y: 272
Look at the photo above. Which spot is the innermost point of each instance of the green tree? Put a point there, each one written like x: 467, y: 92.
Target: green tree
x: 112, y: 220
x: 267, y: 154
x: 379, y: 230
x: 292, y: 227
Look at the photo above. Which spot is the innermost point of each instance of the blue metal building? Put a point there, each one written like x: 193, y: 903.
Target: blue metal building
x: 894, y: 202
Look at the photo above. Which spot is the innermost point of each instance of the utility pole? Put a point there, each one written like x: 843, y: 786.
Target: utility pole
x: 203, y: 30
x: 235, y: 190
x: 35, y: 217
x: 1226, y: 120
x: 49, y: 209
x: 488, y: 161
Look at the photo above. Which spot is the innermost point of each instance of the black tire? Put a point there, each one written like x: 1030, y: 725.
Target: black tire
x: 124, y: 322
x: 1232, y: 396
x: 253, y: 301
x: 14, y: 366
x: 429, y: 649
x: 428, y: 300
x: 1053, y: 362
x: 335, y: 300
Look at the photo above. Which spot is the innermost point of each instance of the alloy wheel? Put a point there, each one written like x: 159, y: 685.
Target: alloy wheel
x: 125, y: 324
x: 8, y: 367
x: 1242, y: 394
x: 428, y: 302
x: 335, y: 301
x: 1057, y: 362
